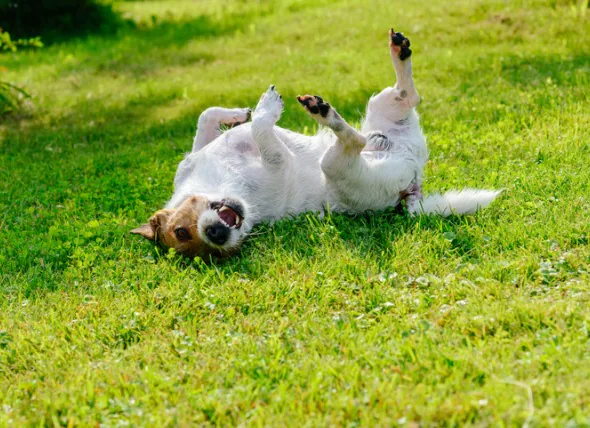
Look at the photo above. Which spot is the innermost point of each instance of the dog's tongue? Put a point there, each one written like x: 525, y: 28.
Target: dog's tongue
x: 228, y: 216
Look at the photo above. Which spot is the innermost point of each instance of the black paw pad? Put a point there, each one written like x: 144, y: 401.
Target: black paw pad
x: 398, y: 39
x: 323, y: 107
x: 315, y: 104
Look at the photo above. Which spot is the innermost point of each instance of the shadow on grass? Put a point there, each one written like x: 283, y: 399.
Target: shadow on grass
x: 307, y: 239
x: 139, y: 49
x: 107, y: 167
x: 123, y: 166
x: 56, y: 21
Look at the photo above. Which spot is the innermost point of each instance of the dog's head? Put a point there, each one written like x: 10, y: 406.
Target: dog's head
x: 198, y: 227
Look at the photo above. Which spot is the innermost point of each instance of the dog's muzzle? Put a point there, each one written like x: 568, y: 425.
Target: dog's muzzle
x: 218, y: 233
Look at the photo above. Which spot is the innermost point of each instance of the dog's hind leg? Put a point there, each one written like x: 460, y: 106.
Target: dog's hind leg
x: 210, y: 121
x: 357, y: 183
x: 394, y: 103
x: 342, y: 159
x: 273, y: 151
x: 349, y: 139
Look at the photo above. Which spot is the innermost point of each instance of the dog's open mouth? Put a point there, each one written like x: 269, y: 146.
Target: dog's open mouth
x: 229, y: 217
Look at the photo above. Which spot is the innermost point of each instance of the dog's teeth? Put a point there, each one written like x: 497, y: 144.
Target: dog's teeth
x: 223, y: 208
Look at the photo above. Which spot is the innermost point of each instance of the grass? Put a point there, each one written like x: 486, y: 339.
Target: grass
x: 369, y: 320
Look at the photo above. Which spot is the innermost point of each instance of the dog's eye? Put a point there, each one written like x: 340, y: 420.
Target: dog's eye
x: 182, y: 234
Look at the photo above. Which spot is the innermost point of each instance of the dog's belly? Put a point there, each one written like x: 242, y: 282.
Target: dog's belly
x: 232, y: 164
x: 237, y: 144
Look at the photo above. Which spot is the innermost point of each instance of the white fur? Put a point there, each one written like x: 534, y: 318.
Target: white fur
x: 466, y: 201
x: 274, y: 172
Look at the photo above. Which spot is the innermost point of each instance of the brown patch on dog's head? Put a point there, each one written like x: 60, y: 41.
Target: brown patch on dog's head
x: 179, y: 229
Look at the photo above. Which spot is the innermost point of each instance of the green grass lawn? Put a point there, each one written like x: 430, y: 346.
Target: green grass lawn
x: 371, y: 320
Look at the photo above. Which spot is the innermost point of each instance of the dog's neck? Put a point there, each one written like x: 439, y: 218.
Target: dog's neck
x: 217, y: 192
x: 199, y: 182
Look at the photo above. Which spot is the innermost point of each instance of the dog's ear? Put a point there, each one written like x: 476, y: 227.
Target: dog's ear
x: 148, y: 231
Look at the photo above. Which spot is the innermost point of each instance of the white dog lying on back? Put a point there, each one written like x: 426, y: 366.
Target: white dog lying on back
x: 258, y: 171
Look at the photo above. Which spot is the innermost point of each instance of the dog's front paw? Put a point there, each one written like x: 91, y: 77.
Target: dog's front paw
x: 271, y: 104
x: 399, y: 45
x: 315, y: 106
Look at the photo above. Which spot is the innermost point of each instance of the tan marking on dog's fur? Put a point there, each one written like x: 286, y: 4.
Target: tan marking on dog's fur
x: 163, y: 224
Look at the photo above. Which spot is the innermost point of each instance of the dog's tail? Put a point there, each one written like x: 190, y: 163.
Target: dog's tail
x: 455, y: 202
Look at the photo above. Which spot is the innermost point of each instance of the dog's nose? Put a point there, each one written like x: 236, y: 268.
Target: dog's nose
x: 218, y: 233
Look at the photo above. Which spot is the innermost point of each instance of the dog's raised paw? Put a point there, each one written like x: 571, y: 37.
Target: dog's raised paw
x: 314, y: 104
x: 271, y: 102
x: 399, y: 44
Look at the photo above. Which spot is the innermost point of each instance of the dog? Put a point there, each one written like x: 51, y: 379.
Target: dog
x: 257, y: 171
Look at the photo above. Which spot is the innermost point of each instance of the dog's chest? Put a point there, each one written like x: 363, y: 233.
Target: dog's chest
x: 233, y: 162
